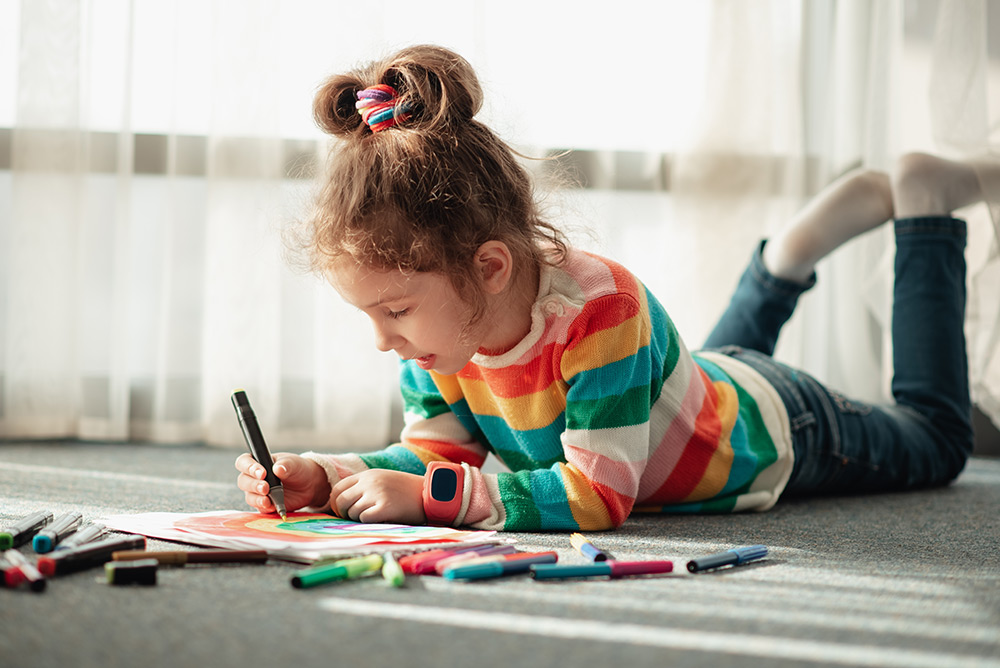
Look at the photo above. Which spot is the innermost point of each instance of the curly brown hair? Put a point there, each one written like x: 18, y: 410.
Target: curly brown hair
x: 425, y: 194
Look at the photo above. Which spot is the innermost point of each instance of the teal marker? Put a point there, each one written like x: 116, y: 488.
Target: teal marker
x: 345, y: 569
x: 62, y: 526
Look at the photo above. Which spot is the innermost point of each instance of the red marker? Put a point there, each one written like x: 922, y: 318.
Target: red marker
x: 423, y: 562
x: 11, y: 574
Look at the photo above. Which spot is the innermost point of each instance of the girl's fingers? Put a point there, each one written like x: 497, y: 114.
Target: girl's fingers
x: 248, y: 465
x: 252, y: 485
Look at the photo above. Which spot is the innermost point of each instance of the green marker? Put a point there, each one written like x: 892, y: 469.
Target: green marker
x: 23, y: 530
x: 392, y: 571
x: 345, y: 569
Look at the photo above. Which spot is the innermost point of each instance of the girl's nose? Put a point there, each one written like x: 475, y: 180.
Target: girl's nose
x: 386, y: 340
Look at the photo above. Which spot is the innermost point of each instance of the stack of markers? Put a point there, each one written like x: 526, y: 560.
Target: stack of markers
x: 65, y: 545
x: 466, y: 563
x: 478, y: 562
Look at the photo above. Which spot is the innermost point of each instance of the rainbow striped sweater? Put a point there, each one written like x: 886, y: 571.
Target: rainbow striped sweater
x: 598, y: 412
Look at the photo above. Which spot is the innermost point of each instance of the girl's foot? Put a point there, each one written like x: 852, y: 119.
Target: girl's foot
x: 926, y: 185
x: 852, y: 205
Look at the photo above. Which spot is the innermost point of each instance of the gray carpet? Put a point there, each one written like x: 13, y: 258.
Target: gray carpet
x: 909, y: 579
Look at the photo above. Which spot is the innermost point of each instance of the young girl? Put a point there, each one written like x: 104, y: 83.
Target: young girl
x: 565, y: 367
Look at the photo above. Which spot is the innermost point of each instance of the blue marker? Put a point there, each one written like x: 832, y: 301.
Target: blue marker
x: 62, y: 526
x: 734, y: 557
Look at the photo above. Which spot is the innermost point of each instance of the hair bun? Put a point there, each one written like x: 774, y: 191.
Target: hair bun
x: 436, y: 88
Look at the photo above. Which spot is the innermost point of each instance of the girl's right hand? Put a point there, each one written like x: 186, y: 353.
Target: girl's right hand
x: 303, y: 480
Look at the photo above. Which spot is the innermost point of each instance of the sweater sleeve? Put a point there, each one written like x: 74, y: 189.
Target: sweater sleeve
x: 607, y: 373
x: 431, y: 432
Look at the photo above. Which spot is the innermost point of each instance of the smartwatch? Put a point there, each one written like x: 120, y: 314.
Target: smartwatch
x: 444, y: 483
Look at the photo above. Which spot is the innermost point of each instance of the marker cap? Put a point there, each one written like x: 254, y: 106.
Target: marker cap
x: 42, y: 543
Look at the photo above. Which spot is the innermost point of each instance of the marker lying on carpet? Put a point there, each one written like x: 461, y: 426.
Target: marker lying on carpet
x: 258, y: 448
x: 181, y: 557
x: 139, y: 572
x: 392, y: 572
x: 494, y: 567
x: 87, y: 534
x: 87, y: 556
x: 61, y: 527
x: 10, y: 575
x: 24, y: 529
x: 36, y: 581
x: 345, y: 569
x: 587, y: 549
x: 476, y: 556
x: 422, y: 563
x: 610, y: 568
x: 734, y: 557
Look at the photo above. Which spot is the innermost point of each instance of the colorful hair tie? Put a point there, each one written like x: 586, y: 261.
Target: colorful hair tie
x: 379, y: 107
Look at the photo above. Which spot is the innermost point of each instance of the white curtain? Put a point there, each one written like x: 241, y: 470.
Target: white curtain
x: 150, y: 153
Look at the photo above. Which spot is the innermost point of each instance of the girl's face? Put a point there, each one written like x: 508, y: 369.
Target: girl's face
x: 419, y: 315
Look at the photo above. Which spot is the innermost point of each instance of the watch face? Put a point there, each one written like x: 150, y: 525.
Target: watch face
x: 444, y: 485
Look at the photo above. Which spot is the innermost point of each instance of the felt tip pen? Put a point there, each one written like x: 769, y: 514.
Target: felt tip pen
x: 137, y: 572
x: 734, y: 557
x: 86, y: 556
x: 424, y: 562
x: 10, y: 575
x: 392, y: 572
x: 476, y: 556
x: 610, y: 568
x: 258, y: 449
x: 181, y: 557
x: 36, y: 581
x: 24, y: 529
x: 587, y: 549
x: 499, y: 566
x: 345, y: 569
x: 61, y: 527
x: 87, y: 534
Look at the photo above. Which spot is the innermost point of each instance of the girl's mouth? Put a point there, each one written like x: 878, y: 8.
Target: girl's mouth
x: 426, y: 362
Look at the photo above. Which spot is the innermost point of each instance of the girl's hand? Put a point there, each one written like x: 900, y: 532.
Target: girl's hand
x: 303, y: 480
x: 380, y: 495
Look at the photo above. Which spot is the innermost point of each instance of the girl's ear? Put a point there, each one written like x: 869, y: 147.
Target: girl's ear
x: 496, y: 266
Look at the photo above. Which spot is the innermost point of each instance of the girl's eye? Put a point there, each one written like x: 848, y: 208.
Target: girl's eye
x: 398, y: 314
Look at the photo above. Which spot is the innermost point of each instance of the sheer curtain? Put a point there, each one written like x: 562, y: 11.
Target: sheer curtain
x: 150, y: 153
x: 802, y: 92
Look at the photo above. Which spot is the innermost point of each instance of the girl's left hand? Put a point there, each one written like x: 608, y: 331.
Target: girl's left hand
x: 380, y: 495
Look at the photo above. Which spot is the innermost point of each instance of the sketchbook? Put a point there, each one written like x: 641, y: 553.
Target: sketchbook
x: 302, y: 537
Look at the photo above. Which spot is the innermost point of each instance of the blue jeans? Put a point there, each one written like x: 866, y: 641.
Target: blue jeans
x: 842, y: 445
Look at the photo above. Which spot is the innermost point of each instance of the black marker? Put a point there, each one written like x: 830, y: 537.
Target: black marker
x: 255, y: 441
x: 87, y: 556
x: 62, y: 526
x: 20, y: 532
x: 735, y: 557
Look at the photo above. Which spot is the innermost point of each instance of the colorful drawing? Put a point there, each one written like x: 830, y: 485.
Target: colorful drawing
x: 301, y: 537
x: 308, y: 528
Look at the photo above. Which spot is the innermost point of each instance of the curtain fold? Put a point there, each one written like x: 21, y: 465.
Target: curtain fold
x: 156, y: 151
